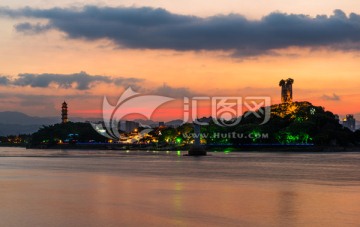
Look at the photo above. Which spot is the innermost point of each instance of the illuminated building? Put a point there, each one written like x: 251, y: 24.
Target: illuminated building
x: 349, y: 122
x: 64, y: 113
x: 286, y: 90
x: 130, y: 126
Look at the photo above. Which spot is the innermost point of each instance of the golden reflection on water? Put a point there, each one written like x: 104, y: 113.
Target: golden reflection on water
x: 177, y: 201
x: 55, y: 198
x: 111, y: 200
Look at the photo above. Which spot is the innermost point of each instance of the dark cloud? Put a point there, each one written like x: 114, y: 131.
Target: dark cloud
x: 32, y: 28
x: 127, y: 82
x: 80, y: 81
x: 4, y: 80
x: 152, y: 28
x: 174, y: 92
x: 333, y: 97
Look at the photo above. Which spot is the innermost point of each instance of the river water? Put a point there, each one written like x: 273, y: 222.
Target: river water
x: 139, y: 188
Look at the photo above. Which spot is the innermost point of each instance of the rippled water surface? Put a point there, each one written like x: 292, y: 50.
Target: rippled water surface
x: 139, y: 188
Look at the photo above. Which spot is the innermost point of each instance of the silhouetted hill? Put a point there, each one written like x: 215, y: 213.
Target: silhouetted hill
x: 299, y: 123
x: 71, y: 132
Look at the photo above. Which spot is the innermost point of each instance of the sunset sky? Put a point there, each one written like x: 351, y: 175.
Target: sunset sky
x: 81, y: 51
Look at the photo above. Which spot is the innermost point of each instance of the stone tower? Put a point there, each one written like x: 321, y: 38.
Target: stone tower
x: 286, y: 90
x: 64, y: 112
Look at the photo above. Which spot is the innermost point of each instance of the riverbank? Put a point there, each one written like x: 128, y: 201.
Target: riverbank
x: 13, y: 145
x: 209, y: 148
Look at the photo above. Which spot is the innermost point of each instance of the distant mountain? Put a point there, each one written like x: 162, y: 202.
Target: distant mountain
x: 174, y: 123
x: 146, y: 122
x: 17, y: 118
x: 13, y: 129
x: 156, y: 123
x: 14, y: 123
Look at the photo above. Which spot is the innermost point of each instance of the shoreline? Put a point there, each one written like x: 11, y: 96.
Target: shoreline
x: 209, y: 148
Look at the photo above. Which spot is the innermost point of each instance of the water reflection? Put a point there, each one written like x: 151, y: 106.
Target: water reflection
x: 170, y: 190
x: 287, y: 205
x: 178, y: 203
